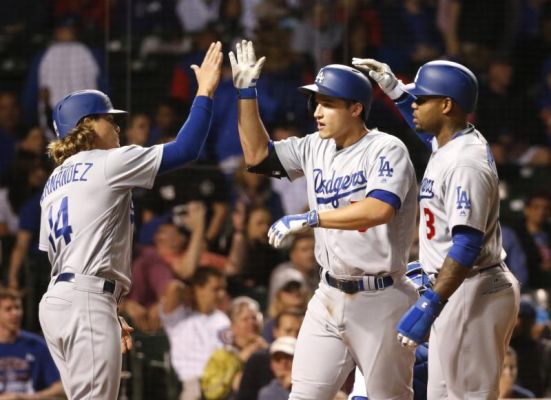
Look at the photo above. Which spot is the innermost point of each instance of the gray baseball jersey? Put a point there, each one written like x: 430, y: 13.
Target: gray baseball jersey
x: 337, y: 178
x: 460, y: 187
x: 87, y: 212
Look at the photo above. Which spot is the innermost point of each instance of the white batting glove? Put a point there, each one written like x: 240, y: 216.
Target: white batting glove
x: 245, y: 68
x: 382, y: 74
x: 289, y: 224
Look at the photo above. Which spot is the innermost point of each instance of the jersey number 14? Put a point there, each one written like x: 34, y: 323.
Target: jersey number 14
x: 61, y: 227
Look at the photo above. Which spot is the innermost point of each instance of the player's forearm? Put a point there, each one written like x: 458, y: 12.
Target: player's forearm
x: 191, y: 138
x: 450, y: 277
x: 252, y: 133
x: 367, y: 213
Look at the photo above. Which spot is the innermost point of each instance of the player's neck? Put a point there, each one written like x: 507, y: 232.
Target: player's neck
x: 351, y: 138
x: 448, y: 131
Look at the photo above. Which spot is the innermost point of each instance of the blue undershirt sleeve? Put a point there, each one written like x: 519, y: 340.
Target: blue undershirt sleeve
x: 191, y: 138
x: 404, y: 106
x: 387, y: 197
x: 467, y: 243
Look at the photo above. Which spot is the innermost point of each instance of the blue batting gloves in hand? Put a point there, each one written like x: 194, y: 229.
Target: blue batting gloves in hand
x: 415, y: 325
x: 291, y: 224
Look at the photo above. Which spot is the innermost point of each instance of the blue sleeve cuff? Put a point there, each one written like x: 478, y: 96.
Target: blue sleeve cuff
x: 387, y: 197
x: 467, y: 243
x: 246, y: 93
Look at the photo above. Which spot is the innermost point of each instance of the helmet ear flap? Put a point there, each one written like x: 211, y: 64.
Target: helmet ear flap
x: 312, y: 103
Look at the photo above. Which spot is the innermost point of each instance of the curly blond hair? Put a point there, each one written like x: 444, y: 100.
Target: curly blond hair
x: 81, y: 138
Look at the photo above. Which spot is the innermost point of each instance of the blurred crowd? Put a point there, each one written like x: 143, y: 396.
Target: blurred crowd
x: 203, y: 271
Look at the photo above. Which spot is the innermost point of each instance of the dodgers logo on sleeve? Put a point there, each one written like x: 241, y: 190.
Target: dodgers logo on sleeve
x: 463, y: 201
x: 384, y: 168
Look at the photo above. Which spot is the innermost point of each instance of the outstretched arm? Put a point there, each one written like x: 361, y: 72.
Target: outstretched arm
x: 252, y: 133
x: 191, y: 137
x: 393, y: 88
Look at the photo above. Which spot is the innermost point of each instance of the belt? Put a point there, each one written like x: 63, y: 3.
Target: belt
x: 475, y: 272
x: 108, y: 286
x: 368, y: 283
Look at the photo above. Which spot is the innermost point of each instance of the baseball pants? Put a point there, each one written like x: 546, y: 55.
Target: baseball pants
x: 83, y: 334
x: 469, y: 339
x: 341, y: 330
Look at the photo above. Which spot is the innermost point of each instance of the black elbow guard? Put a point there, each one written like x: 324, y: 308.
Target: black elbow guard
x: 270, y: 166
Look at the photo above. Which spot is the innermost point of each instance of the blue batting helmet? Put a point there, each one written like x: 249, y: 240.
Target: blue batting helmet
x: 69, y: 111
x: 448, y: 79
x: 343, y: 82
x: 418, y: 277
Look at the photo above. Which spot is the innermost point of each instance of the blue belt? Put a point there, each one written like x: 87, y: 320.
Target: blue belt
x: 108, y: 286
x: 351, y: 286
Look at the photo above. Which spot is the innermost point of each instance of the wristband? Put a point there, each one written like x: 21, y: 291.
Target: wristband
x: 246, y: 93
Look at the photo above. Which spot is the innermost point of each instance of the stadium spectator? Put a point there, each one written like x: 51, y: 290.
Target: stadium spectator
x: 282, y: 351
x: 535, y: 236
x: 223, y: 371
x: 516, y: 256
x: 533, y: 354
x: 508, y: 389
x: 257, y: 372
x: 27, y: 370
x: 302, y: 265
x: 194, y: 325
x: 138, y: 130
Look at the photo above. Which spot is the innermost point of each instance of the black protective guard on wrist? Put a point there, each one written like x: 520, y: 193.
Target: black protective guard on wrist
x: 270, y: 166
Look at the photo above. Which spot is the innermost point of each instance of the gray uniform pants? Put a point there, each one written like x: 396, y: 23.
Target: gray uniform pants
x: 342, y: 330
x: 468, y: 340
x: 83, y: 334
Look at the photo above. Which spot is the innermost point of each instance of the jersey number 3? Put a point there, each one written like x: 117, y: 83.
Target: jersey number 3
x: 429, y: 220
x: 61, y: 225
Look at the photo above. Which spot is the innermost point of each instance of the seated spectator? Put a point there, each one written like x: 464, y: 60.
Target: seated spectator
x: 200, y: 181
x: 282, y: 351
x: 255, y: 190
x: 27, y: 370
x: 293, y: 194
x: 293, y: 294
x: 255, y: 259
x: 172, y: 257
x: 508, y: 389
x: 138, y: 130
x: 535, y: 236
x: 10, y: 129
x: 516, y: 257
x: 257, y: 372
x: 533, y: 354
x: 302, y: 260
x: 194, y: 325
x: 223, y: 371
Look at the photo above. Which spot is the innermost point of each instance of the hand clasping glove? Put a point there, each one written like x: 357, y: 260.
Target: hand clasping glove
x: 245, y: 68
x: 415, y: 325
x: 291, y: 224
x: 382, y: 74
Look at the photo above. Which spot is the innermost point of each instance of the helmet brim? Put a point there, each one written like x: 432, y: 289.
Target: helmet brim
x: 313, y: 88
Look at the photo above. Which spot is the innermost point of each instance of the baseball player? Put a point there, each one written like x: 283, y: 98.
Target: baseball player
x: 459, y: 233
x: 361, y: 190
x: 421, y: 281
x: 87, y: 224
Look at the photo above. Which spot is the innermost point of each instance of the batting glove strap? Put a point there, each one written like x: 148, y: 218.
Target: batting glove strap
x: 313, y: 219
x: 417, y: 321
x: 246, y: 93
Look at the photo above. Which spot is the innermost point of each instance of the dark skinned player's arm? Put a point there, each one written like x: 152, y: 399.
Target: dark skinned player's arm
x: 450, y: 277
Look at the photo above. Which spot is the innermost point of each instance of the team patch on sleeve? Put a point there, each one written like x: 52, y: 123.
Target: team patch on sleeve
x: 385, y: 169
x: 463, y: 201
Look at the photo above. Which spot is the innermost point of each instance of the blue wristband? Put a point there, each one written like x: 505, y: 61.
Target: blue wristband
x: 313, y: 219
x: 246, y: 93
